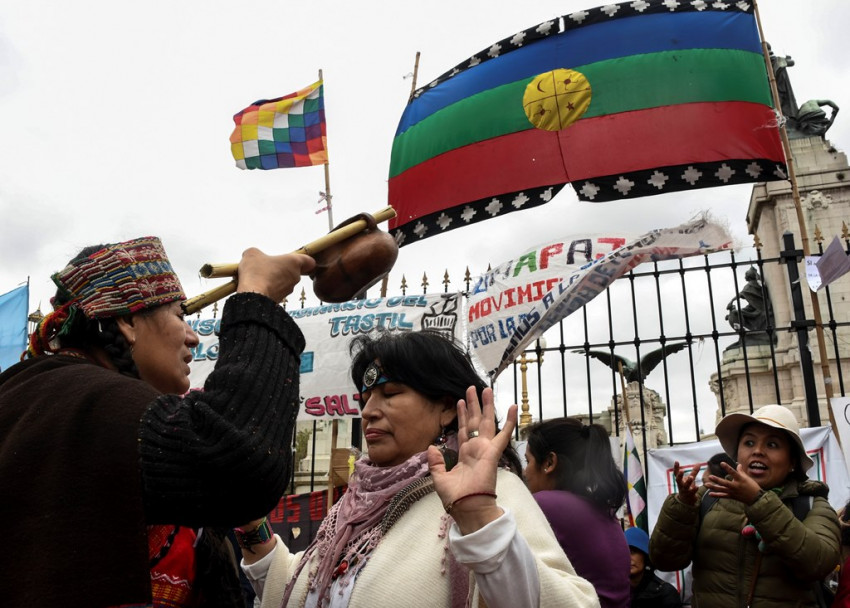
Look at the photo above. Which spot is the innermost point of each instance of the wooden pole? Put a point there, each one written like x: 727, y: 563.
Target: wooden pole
x: 328, y: 196
x: 801, y: 221
x: 328, y: 179
x: 385, y: 281
x: 415, y: 76
x: 334, y: 433
x: 626, y: 424
x: 626, y: 413
x: 211, y: 271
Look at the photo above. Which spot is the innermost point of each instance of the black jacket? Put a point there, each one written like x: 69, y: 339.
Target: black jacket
x: 652, y: 592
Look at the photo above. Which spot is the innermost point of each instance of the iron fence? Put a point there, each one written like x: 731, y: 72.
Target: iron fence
x: 683, y: 304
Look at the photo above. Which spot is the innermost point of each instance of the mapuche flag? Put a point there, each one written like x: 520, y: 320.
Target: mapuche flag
x: 288, y: 131
x: 622, y: 101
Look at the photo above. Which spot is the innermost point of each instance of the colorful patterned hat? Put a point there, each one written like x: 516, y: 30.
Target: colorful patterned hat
x: 121, y: 279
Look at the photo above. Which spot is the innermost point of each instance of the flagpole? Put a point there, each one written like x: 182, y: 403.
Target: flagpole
x: 386, y: 279
x: 627, y: 426
x: 335, y: 424
x: 328, y: 196
x: 626, y: 413
x: 801, y: 220
x: 327, y: 192
x: 415, y: 75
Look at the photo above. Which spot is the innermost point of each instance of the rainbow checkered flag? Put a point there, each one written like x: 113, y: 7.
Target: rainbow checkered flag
x: 285, y: 132
x: 636, y: 496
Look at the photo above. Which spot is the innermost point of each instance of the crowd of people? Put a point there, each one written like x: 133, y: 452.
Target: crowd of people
x: 124, y: 488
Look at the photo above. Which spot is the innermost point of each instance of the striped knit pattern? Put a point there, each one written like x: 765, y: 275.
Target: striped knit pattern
x: 121, y: 279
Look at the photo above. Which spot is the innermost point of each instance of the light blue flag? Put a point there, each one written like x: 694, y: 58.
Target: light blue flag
x: 13, y: 325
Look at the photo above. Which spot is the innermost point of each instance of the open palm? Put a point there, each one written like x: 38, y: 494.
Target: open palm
x: 478, y: 456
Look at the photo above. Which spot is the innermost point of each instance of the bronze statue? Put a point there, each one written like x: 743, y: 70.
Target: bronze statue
x: 632, y: 371
x: 787, y: 101
x: 808, y: 119
x: 812, y: 120
x: 751, y: 311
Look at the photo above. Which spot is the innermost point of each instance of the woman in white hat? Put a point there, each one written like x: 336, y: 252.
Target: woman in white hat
x: 764, y: 534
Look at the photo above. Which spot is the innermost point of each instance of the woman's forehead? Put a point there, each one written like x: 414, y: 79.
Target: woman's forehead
x: 758, y: 429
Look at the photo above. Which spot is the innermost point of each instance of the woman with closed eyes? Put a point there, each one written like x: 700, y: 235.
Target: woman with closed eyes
x: 436, y: 513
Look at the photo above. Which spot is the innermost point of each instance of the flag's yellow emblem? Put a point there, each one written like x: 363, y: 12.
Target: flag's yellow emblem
x: 554, y: 100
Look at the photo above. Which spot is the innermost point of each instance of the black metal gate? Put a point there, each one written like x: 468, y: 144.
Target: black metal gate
x: 683, y: 302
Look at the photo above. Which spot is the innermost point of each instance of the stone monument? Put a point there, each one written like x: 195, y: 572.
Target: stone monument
x: 805, y: 120
x: 823, y: 181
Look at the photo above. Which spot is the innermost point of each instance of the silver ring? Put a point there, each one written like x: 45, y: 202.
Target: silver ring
x: 472, y: 434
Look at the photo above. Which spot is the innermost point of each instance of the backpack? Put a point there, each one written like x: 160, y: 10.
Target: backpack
x: 800, y: 505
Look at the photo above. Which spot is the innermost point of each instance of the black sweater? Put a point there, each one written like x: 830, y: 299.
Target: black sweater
x: 89, y: 457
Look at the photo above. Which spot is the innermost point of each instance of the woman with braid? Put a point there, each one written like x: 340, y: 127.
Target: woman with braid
x: 109, y: 468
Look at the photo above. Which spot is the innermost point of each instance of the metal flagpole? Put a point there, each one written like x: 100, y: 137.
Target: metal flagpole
x: 627, y: 425
x: 386, y: 279
x: 327, y: 193
x: 801, y: 220
x: 335, y: 424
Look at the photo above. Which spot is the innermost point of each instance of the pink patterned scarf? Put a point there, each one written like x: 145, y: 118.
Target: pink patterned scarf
x: 352, y: 529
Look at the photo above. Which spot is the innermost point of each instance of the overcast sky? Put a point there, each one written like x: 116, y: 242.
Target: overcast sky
x: 116, y: 118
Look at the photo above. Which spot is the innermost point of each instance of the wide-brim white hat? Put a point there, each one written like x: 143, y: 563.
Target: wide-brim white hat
x: 778, y: 416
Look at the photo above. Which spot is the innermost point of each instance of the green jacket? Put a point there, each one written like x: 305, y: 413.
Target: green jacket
x: 798, y: 552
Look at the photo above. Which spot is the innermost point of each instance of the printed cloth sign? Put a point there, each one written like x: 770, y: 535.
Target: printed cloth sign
x: 326, y: 388
x: 516, y: 302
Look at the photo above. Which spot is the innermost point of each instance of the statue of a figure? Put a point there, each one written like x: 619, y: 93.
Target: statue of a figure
x: 787, y: 101
x: 812, y: 120
x: 801, y: 121
x: 751, y: 310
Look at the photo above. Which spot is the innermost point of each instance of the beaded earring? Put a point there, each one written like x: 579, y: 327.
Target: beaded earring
x: 449, y: 455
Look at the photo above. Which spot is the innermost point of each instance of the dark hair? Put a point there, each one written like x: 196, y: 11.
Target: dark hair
x: 585, y: 464
x: 796, y: 460
x: 714, y: 462
x: 429, y: 363
x: 82, y: 332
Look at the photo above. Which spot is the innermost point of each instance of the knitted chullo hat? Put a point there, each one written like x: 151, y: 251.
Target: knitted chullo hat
x: 117, y: 280
x: 121, y: 279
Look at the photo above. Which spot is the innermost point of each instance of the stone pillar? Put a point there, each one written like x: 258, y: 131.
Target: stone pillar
x: 823, y: 179
x: 654, y: 413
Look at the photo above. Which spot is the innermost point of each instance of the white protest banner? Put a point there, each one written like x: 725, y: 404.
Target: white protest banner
x: 841, y: 413
x: 820, y: 444
x: 516, y: 302
x: 326, y: 388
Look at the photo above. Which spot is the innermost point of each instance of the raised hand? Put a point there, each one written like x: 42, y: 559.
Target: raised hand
x: 687, y: 484
x: 468, y: 490
x: 274, y: 276
x: 737, y: 485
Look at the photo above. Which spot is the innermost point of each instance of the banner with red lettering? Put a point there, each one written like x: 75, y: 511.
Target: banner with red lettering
x: 326, y: 388
x: 297, y: 517
x: 516, y: 302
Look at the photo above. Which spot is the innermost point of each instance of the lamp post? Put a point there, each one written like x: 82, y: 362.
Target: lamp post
x: 525, y: 415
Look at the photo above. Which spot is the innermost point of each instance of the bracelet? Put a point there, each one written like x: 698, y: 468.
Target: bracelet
x: 452, y: 504
x: 258, y: 536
